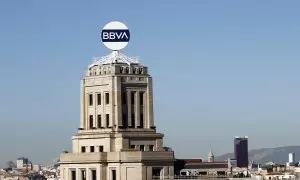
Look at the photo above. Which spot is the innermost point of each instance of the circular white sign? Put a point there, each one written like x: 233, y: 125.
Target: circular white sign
x: 115, y: 35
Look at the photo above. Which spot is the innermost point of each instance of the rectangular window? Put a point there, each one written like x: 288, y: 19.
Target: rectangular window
x: 124, y: 120
x: 99, y: 121
x: 107, y: 98
x: 107, y: 120
x: 132, y: 98
x: 100, y: 148
x: 142, y: 148
x: 99, y: 99
x: 113, y: 174
x: 94, y: 175
x: 151, y: 148
x: 141, y: 98
x: 132, y: 146
x: 141, y: 120
x: 133, y: 120
x: 73, y: 175
x: 83, y: 149
x: 124, y: 98
x: 92, y: 149
x: 91, y: 99
x: 83, y: 175
x: 91, y: 121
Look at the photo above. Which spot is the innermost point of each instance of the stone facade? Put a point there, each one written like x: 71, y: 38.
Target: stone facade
x: 117, y: 138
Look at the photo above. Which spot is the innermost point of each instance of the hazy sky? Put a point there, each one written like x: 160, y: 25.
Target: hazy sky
x: 220, y: 69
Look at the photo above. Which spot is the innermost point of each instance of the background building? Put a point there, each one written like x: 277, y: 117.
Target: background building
x: 241, y: 151
x: 292, y: 158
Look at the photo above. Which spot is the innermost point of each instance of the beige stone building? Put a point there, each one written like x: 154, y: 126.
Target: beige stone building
x: 117, y: 138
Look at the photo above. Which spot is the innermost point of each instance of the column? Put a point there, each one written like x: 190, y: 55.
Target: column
x: 103, y: 100
x: 150, y: 121
x: 95, y: 109
x: 137, y: 109
x: 103, y: 109
x: 149, y: 173
x: 86, y: 116
x: 142, y: 110
x: 78, y: 173
x: 82, y: 103
x: 129, y: 107
x: 113, y: 99
x: 171, y: 171
x: 118, y: 102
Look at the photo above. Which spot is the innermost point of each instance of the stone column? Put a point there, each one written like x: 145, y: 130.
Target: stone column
x: 137, y: 108
x: 114, y: 117
x: 165, y: 173
x: 129, y: 107
x: 150, y: 121
x: 78, y: 174
x: 149, y: 173
x: 88, y: 173
x: 82, y: 104
x: 118, y: 101
x: 95, y: 108
x: 171, y: 171
x: 104, y: 109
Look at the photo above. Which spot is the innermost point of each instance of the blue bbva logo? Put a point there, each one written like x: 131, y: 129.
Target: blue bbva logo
x: 115, y: 35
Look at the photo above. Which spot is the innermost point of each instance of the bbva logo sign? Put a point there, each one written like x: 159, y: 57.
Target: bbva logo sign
x: 115, y: 35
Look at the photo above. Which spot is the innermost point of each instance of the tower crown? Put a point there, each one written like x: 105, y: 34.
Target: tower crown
x: 116, y: 63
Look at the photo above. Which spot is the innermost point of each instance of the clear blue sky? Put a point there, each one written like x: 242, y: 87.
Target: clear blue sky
x: 220, y: 69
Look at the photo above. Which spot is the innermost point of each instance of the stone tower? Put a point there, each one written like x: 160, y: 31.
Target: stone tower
x: 117, y: 138
x: 211, y: 157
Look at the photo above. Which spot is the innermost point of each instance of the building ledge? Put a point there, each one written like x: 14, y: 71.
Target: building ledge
x: 117, y: 157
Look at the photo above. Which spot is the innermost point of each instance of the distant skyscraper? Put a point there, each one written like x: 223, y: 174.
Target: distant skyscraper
x: 241, y: 151
x: 291, y: 157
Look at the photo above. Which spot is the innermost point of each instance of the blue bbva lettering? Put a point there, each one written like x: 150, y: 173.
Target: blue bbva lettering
x: 115, y: 35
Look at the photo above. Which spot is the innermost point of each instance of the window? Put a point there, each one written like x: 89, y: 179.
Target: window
x: 141, y: 98
x: 73, y: 175
x: 113, y: 174
x: 156, y: 172
x: 100, y: 148
x: 142, y: 147
x: 83, y: 175
x: 132, y: 98
x: 83, y: 149
x: 92, y: 149
x: 91, y: 99
x: 99, y: 99
x: 91, y: 121
x: 124, y: 98
x: 107, y: 98
x: 99, y: 119
x: 107, y: 120
x: 124, y: 120
x: 141, y: 120
x: 132, y: 146
x: 133, y: 120
x: 94, y: 175
x: 151, y: 148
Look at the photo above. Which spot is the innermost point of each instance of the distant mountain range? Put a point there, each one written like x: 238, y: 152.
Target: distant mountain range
x: 277, y: 155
